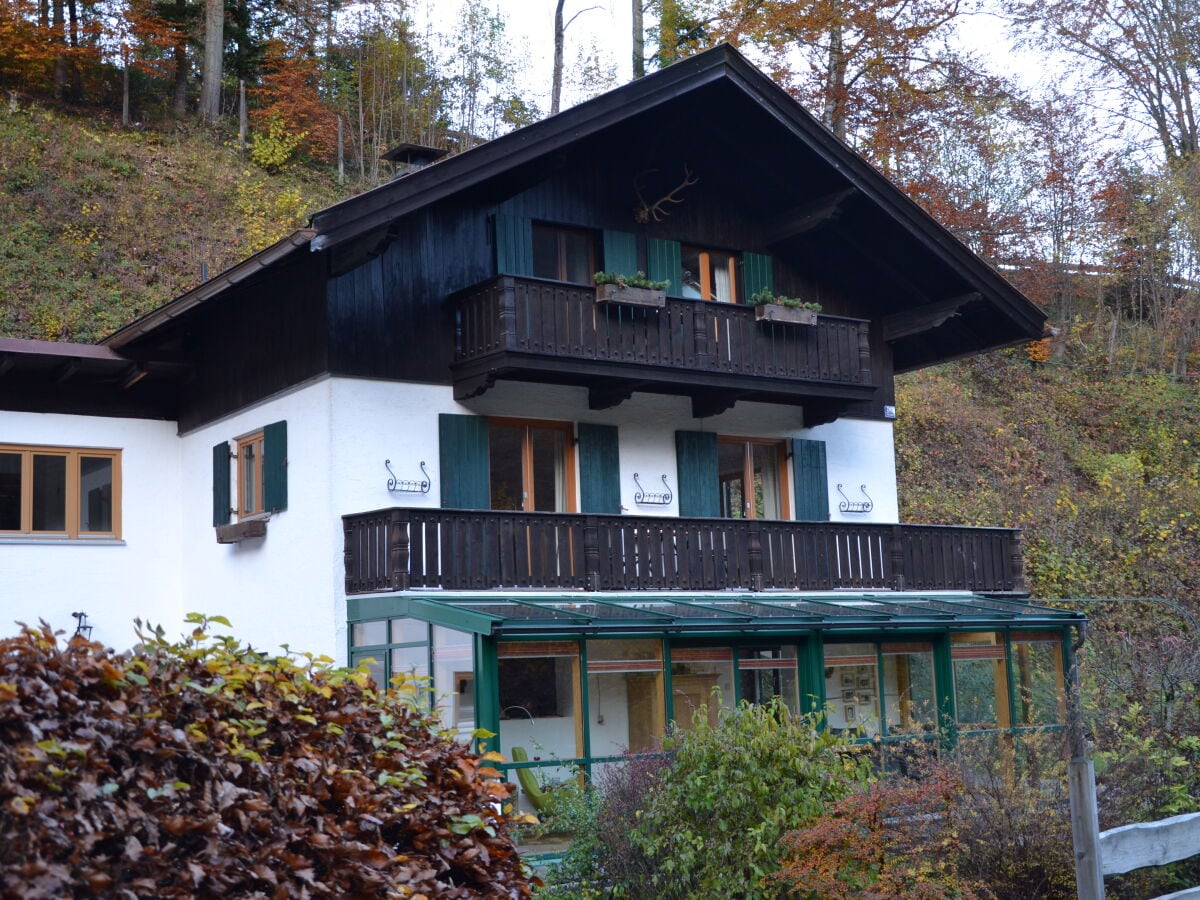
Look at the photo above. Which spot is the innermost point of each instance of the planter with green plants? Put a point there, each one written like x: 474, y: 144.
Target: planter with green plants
x: 770, y: 307
x: 632, y: 290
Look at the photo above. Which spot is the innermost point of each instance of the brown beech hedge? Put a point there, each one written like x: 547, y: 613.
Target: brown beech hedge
x: 201, y: 768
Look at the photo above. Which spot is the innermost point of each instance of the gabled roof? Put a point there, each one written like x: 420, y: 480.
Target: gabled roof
x: 948, y: 302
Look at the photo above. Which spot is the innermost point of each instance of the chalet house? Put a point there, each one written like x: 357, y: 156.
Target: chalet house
x: 417, y: 432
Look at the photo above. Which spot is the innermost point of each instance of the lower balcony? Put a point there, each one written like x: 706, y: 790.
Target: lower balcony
x: 716, y: 353
x: 479, y: 550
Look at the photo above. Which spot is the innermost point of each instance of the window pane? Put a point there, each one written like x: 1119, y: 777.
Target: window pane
x: 454, y: 679
x: 767, y: 672
x: 368, y: 634
x: 626, y: 702
x: 411, y: 661
x: 539, y: 706
x: 721, y: 266
x: 695, y: 672
x: 690, y: 259
x: 409, y: 631
x: 95, y: 494
x: 909, y: 688
x: 731, y: 469
x: 545, y: 252
x: 10, y: 491
x: 980, y: 685
x: 1037, y: 666
x: 247, y: 493
x: 766, y: 481
x: 374, y: 665
x: 549, y: 469
x: 851, y: 676
x: 577, y: 257
x: 505, y: 455
x: 49, y: 493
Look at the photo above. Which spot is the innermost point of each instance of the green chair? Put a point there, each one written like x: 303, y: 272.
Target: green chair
x: 538, y: 797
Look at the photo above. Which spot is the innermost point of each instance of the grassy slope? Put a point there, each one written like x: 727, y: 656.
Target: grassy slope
x: 101, y: 224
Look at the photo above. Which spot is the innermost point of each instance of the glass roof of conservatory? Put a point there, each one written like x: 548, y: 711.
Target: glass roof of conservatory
x: 511, y: 613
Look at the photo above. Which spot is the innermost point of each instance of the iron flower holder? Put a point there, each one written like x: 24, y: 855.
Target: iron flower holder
x: 856, y: 506
x: 644, y: 497
x: 407, y: 486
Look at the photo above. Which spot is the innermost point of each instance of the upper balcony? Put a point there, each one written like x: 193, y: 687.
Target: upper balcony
x: 716, y: 353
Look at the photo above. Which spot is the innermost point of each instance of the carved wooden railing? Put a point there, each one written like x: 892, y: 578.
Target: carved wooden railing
x: 547, y: 318
x: 402, y: 549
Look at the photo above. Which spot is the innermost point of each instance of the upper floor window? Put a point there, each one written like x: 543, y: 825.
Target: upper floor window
x: 751, y: 478
x: 60, y: 491
x: 532, y: 465
x: 709, y: 274
x: 250, y: 475
x: 563, y: 254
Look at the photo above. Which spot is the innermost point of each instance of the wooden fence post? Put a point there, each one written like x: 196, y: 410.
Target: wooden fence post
x: 591, y: 554
x: 1081, y: 775
x: 755, y: 554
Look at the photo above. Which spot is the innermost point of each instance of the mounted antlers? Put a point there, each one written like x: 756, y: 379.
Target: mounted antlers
x: 656, y: 211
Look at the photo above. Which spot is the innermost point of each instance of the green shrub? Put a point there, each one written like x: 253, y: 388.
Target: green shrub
x: 202, y: 768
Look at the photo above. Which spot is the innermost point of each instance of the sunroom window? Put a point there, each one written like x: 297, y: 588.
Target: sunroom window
x: 626, y: 704
x: 906, y: 705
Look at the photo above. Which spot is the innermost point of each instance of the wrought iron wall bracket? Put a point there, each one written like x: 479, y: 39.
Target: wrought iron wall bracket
x: 644, y: 497
x: 407, y: 486
x: 856, y: 506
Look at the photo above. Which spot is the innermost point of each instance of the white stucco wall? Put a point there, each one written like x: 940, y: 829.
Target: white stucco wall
x: 114, y: 582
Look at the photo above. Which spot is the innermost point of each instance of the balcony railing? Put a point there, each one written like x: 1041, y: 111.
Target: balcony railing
x: 402, y: 549
x: 536, y: 318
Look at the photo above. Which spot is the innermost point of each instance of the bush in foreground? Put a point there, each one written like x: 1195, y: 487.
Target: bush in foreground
x: 203, y: 768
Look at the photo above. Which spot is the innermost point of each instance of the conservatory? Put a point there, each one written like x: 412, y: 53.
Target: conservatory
x: 566, y: 681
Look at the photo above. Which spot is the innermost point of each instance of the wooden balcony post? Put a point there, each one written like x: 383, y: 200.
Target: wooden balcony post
x: 348, y: 553
x: 754, y: 548
x: 591, y: 554
x: 398, y: 547
x: 864, y: 352
x: 1017, y: 563
x: 899, y: 577
x: 702, y: 336
x: 508, y: 313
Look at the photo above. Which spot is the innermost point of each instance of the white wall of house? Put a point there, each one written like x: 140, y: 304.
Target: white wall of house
x: 860, y: 452
x: 114, y: 582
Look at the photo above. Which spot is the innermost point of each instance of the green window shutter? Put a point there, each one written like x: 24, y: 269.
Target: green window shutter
x: 275, y: 467
x: 620, y: 253
x: 514, y: 245
x: 664, y: 264
x: 599, y: 469
x: 699, y: 481
x: 812, y: 480
x: 463, y: 451
x: 222, y: 501
x: 758, y: 272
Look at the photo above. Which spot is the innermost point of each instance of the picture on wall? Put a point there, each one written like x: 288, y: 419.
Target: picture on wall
x: 850, y: 714
x: 848, y: 679
x: 848, y: 695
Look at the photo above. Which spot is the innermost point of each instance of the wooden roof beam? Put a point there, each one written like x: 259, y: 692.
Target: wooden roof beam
x: 66, y: 370
x: 7, y: 361
x: 816, y: 214
x: 925, y: 318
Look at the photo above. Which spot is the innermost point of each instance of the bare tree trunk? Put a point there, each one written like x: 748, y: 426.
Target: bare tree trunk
x: 639, y: 41
x: 73, y: 63
x: 214, y: 51
x: 341, y: 151
x: 60, y: 61
x: 556, y: 83
x: 834, y: 112
x: 125, y: 95
x: 243, y: 118
x: 181, y: 76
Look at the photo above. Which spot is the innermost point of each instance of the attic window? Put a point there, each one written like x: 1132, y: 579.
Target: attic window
x: 563, y: 254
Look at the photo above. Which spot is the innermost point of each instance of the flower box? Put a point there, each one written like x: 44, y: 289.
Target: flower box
x: 777, y: 312
x: 630, y: 296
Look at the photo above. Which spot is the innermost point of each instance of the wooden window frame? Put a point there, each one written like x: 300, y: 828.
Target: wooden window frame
x: 780, y: 445
x: 73, y: 456
x: 560, y: 233
x: 706, y: 273
x: 529, y: 501
x: 255, y: 441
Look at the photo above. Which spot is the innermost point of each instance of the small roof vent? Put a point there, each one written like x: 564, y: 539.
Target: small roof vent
x: 411, y: 157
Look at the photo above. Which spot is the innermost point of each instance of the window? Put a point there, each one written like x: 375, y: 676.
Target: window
x: 767, y: 672
x: 60, y: 491
x: 905, y: 705
x: 563, y: 254
x: 709, y: 274
x: 752, y: 485
x: 532, y: 465
x: 980, y: 680
x: 249, y: 475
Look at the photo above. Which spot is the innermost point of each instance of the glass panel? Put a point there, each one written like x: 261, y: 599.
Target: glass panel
x: 411, y: 661
x: 690, y: 259
x: 767, y: 672
x: 374, y: 665
x: 1040, y: 694
x: 577, y: 257
x: 626, y: 702
x: 545, y: 252
x: 247, y: 489
x: 49, y: 492
x: 10, y: 491
x: 615, y: 650
x: 731, y: 469
x: 721, y: 266
x: 368, y: 634
x: 851, y: 677
x: 95, y: 494
x: 908, y: 686
x: 980, y: 685
x: 409, y: 631
x: 695, y: 673
x: 535, y: 785
x: 766, y: 481
x: 549, y: 469
x: 454, y: 679
x: 507, y: 462
x: 540, y: 705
